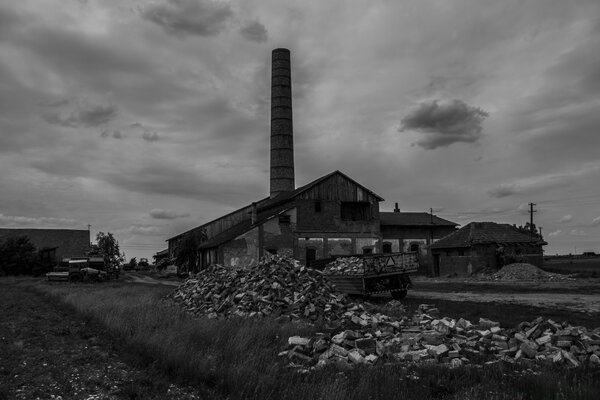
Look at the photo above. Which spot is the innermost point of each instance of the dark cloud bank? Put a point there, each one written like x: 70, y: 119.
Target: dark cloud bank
x: 445, y: 122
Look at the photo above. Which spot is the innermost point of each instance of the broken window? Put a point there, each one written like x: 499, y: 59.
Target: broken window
x: 318, y: 206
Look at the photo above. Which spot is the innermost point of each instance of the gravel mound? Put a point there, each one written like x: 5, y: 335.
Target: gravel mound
x: 524, y: 272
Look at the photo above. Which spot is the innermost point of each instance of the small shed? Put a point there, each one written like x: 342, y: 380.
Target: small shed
x: 480, y: 245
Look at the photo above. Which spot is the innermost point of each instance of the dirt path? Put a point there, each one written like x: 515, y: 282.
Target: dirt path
x: 137, y: 278
x: 48, y: 352
x: 582, y: 295
x: 574, y: 302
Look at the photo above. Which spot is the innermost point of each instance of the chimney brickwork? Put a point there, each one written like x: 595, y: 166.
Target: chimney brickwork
x: 282, y: 138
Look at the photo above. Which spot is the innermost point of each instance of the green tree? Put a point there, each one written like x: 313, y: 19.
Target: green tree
x: 107, y: 245
x: 17, y: 256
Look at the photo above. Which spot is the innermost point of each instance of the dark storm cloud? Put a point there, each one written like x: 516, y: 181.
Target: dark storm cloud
x: 150, y: 136
x: 562, y: 118
x: 116, y: 134
x: 445, y: 122
x: 167, y: 214
x: 504, y: 190
x: 190, y: 17
x: 87, y: 115
x: 158, y: 177
x: 255, y: 31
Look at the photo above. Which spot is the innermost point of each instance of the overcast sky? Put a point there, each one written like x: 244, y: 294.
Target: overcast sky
x: 148, y: 118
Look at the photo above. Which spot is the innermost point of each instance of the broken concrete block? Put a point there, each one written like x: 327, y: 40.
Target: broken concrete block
x: 355, y: 357
x: 543, y: 339
x: 297, y: 340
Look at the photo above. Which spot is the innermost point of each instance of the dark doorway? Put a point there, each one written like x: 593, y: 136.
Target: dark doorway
x: 311, y: 255
x: 436, y: 265
x: 387, y: 247
x: 414, y: 247
x: 367, y: 250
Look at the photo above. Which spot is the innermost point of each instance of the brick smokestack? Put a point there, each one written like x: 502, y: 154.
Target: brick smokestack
x: 282, y: 133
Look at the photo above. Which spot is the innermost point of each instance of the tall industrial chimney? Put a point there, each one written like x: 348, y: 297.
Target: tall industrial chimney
x: 282, y: 133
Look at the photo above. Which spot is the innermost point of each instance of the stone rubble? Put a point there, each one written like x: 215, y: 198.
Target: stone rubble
x: 427, y: 338
x: 523, y: 272
x: 277, y: 287
x: 281, y: 288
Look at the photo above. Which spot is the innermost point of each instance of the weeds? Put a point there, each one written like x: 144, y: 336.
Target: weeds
x: 237, y: 359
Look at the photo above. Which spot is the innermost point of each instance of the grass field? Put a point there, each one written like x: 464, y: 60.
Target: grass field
x: 237, y: 359
x: 583, y: 266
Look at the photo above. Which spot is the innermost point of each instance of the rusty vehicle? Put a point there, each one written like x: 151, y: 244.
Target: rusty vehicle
x: 372, y: 273
x: 77, y: 269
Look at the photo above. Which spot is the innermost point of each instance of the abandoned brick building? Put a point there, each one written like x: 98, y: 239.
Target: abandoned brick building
x: 332, y: 215
x: 52, y: 244
x: 481, y: 245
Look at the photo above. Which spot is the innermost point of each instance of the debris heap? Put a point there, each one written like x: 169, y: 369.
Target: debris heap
x: 524, y: 272
x: 428, y: 338
x: 278, y: 287
x: 345, y: 266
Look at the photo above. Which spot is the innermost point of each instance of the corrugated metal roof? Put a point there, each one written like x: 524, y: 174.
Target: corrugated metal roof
x: 413, y: 219
x: 484, y: 233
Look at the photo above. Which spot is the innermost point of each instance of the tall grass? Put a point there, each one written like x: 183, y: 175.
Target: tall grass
x: 237, y: 359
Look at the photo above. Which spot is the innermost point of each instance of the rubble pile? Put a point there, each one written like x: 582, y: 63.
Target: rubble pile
x: 345, y: 266
x: 278, y: 287
x: 428, y: 338
x: 524, y: 271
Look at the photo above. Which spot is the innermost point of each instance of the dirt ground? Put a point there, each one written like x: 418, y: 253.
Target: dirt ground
x: 581, y: 295
x: 48, y: 352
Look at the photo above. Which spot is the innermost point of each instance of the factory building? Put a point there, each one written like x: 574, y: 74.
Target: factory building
x: 332, y: 215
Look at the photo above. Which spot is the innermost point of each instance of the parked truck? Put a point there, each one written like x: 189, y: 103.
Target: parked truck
x: 79, y: 269
x: 369, y: 274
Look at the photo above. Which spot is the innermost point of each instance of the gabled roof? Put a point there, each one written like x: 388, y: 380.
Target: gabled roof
x: 283, y: 197
x: 484, y: 233
x: 238, y: 229
x: 267, y: 204
x: 413, y: 219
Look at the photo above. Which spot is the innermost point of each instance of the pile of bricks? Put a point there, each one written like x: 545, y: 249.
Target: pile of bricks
x: 277, y: 287
x: 524, y: 272
x: 429, y: 339
x: 345, y: 266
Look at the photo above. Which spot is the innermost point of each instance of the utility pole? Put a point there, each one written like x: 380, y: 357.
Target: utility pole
x: 531, y: 211
x: 541, y: 237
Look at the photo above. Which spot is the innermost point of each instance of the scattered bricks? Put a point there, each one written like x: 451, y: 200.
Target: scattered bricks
x: 594, y: 359
x: 528, y: 349
x: 520, y: 337
x: 433, y: 338
x: 453, y: 354
x: 564, y: 343
x: 297, y: 340
x: 529, y: 332
x: 355, y: 357
x: 339, y: 338
x: 519, y: 354
x: 570, y: 359
x: 464, y: 324
x: 456, y: 362
x: 487, y: 324
x: 456, y: 346
x: 440, y: 350
x: 495, y: 329
x: 338, y: 350
x: 485, y: 334
x: 367, y: 345
x: 501, y: 345
x: 543, y: 339
x: 557, y: 358
x: 371, y: 358
x: 499, y: 338
x: 294, y: 355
